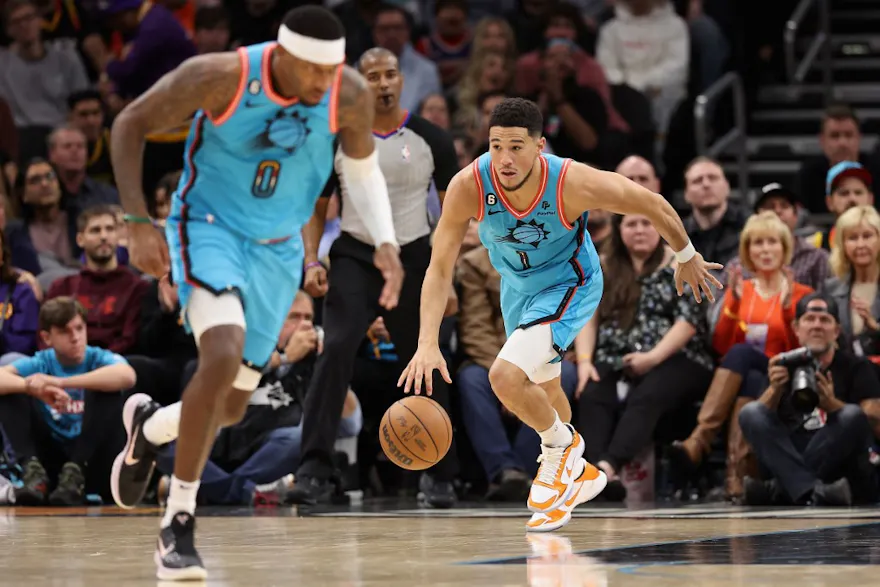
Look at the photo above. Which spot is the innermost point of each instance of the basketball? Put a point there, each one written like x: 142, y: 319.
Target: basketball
x: 415, y: 433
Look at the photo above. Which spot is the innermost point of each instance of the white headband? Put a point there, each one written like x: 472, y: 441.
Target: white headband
x: 310, y: 49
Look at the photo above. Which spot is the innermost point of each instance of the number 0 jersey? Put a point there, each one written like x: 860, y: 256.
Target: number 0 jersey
x: 259, y: 167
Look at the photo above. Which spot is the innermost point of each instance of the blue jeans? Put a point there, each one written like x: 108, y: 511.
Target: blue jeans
x: 481, y: 412
x: 278, y: 456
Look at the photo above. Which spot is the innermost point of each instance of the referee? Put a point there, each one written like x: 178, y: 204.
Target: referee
x: 412, y: 153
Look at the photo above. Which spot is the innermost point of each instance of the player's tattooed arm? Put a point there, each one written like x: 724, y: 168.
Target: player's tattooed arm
x: 206, y: 82
x: 355, y: 114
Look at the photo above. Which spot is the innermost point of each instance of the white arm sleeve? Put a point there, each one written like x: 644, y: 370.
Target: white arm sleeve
x: 368, y: 193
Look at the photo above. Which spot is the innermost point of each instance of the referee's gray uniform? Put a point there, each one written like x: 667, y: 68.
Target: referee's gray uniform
x: 411, y: 158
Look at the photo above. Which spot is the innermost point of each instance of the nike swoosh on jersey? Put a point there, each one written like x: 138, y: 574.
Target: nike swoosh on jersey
x: 491, y: 212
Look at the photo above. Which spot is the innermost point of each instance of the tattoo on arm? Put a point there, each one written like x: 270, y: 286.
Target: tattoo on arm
x: 206, y: 82
x: 355, y: 115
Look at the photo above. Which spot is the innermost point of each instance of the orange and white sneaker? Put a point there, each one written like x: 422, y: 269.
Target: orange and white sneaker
x: 557, y: 474
x: 588, y: 485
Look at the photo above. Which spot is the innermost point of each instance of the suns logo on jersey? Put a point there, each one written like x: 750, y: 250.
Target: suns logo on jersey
x: 285, y: 130
x: 525, y: 233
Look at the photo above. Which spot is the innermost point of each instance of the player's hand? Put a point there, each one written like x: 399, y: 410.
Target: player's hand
x: 697, y: 274
x: 148, y: 251
x: 315, y: 282
x: 421, y: 368
x: 387, y: 260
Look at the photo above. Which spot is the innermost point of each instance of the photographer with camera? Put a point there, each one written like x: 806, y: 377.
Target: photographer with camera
x: 810, y: 429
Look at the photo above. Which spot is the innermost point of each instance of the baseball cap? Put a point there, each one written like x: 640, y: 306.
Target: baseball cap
x: 808, y: 304
x: 843, y: 170
x: 776, y: 190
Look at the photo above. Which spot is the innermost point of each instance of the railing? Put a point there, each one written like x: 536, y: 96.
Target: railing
x: 703, y: 108
x: 797, y: 72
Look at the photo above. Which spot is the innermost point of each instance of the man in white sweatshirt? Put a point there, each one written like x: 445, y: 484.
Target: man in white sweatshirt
x: 647, y: 47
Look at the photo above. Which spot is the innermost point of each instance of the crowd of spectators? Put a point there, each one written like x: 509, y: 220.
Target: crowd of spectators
x: 651, y: 375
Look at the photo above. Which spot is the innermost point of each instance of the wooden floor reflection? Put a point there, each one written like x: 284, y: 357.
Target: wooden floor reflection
x: 102, y: 547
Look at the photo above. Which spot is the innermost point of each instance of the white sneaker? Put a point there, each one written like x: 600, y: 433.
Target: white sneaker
x: 557, y: 474
x: 588, y: 485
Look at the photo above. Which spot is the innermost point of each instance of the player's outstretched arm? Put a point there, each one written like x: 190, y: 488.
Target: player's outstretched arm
x: 587, y: 188
x: 202, y: 83
x: 367, y: 190
x: 461, y: 204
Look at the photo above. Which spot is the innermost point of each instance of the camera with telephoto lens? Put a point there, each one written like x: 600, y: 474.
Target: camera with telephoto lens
x: 803, y: 391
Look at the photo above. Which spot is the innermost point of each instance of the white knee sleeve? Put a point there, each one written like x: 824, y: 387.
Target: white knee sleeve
x: 248, y: 379
x: 205, y: 311
x: 531, y: 349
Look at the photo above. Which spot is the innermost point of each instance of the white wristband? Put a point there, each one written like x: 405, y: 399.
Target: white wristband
x: 686, y: 254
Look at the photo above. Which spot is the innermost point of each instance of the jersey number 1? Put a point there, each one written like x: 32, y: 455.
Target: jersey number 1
x: 524, y: 259
x: 266, y: 179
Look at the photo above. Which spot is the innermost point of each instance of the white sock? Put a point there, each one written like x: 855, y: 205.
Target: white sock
x: 556, y: 435
x: 181, y: 498
x: 162, y: 427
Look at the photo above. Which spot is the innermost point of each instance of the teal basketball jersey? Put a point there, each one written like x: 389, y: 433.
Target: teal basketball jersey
x: 258, y: 168
x: 536, y: 248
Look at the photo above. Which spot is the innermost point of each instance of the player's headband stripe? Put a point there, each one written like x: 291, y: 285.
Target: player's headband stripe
x: 310, y: 49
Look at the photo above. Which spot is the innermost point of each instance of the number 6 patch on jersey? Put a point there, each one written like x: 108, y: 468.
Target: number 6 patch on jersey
x: 491, y: 200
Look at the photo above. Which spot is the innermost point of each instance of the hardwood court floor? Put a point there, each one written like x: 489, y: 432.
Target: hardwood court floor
x: 707, y: 547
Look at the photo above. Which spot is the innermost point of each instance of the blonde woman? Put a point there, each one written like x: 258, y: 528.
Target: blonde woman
x: 855, y: 262
x: 493, y: 34
x: 755, y: 324
x: 485, y: 74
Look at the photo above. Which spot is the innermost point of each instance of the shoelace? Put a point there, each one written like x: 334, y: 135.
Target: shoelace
x: 550, y: 459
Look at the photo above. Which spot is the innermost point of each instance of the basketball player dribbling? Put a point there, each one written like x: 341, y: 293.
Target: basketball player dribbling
x: 532, y: 210
x: 259, y: 154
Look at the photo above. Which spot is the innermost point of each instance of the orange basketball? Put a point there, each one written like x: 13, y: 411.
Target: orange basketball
x: 415, y: 433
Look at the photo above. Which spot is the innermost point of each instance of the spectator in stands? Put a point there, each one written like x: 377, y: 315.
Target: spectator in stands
x: 855, y: 262
x: 164, y: 347
x: 847, y: 185
x: 16, y: 238
x: 18, y: 311
x: 72, y: 26
x: 61, y: 431
x: 808, y: 263
x: 528, y: 21
x: 815, y: 453
x: 575, y: 116
x: 49, y: 220
x: 708, y: 42
x: 212, y: 29
x: 156, y: 44
x: 464, y: 149
x: 643, y: 354
x: 435, y: 109
x: 494, y: 34
x: 565, y: 22
x: 449, y: 44
x: 256, y: 21
x: 87, y: 114
x: 8, y: 148
x: 488, y: 74
x: 509, y: 465
x: 646, y: 46
x: 391, y: 30
x: 160, y: 204
x: 37, y: 77
x: 755, y: 323
x: 68, y: 154
x: 840, y: 139
x: 714, y: 224
x: 637, y: 169
x: 480, y: 133
x: 263, y: 449
x: 112, y: 295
